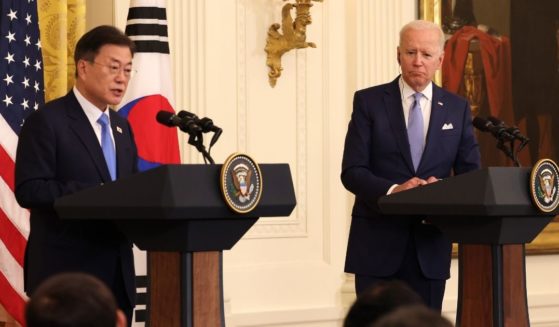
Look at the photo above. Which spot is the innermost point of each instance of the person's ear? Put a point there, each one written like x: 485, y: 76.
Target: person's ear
x: 398, y: 55
x: 120, y: 318
x: 441, y: 59
x: 81, y: 66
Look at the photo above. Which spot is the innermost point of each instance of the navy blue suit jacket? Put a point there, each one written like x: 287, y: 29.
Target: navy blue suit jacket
x: 377, y: 156
x: 58, y: 154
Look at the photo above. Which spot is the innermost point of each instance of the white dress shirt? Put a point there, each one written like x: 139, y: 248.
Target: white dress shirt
x: 93, y: 113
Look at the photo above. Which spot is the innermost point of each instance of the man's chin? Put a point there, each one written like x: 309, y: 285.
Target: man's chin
x: 115, y: 101
x: 418, y: 84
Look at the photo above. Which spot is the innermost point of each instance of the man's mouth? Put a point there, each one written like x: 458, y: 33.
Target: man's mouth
x: 117, y: 92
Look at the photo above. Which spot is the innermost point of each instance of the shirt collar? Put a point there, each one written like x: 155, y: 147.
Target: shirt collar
x: 407, y: 91
x: 91, y: 111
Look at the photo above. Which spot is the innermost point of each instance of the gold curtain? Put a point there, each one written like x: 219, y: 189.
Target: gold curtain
x: 61, y: 23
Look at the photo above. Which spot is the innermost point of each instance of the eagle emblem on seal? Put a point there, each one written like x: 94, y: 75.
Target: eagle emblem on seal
x: 241, y: 175
x: 547, y: 185
x: 241, y: 183
x: 544, y: 182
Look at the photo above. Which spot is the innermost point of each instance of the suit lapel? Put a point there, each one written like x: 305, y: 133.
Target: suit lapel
x: 438, y: 115
x: 120, y: 141
x: 395, y: 114
x: 84, y: 132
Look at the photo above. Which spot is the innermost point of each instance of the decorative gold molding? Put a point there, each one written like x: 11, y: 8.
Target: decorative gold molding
x: 431, y: 10
x: 294, y: 36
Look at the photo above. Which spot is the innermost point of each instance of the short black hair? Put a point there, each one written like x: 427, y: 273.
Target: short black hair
x: 378, y: 300
x: 89, y: 44
x: 413, y: 316
x: 71, y: 300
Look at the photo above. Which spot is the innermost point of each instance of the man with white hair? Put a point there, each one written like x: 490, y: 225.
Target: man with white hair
x: 404, y: 134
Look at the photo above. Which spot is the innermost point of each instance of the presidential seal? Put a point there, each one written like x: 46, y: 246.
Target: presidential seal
x: 544, y: 182
x: 241, y: 183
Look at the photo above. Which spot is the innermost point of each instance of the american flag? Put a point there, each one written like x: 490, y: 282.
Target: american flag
x: 21, y: 92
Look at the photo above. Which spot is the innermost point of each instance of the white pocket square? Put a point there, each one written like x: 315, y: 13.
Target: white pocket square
x: 447, y: 126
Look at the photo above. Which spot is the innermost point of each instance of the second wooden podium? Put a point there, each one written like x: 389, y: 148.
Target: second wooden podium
x: 489, y: 212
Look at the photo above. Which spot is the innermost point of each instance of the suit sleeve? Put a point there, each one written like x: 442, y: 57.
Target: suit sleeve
x: 36, y: 167
x: 357, y: 176
x: 468, y: 156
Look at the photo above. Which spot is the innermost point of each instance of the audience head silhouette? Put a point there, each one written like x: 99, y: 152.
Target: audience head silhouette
x: 73, y: 300
x: 412, y: 316
x: 379, y: 300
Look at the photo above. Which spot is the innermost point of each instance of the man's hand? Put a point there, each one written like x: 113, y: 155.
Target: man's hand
x: 413, y: 183
x: 432, y: 179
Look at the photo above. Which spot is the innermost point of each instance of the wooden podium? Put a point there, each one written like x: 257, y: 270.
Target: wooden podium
x: 177, y: 214
x: 489, y: 212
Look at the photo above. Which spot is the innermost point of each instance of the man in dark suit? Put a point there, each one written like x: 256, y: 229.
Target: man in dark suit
x: 402, y: 135
x: 70, y: 144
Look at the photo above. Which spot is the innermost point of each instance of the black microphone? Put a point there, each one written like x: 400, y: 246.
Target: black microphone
x: 190, y: 120
x: 208, y: 126
x: 514, y: 131
x: 187, y: 115
x: 498, y: 132
x: 168, y: 118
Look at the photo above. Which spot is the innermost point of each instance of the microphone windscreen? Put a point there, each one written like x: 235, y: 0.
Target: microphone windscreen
x: 165, y: 118
x: 496, y: 121
x: 481, y: 124
x: 185, y: 114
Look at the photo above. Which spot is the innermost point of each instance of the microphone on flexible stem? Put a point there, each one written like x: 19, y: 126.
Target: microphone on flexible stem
x: 196, y: 139
x: 502, y: 134
x: 208, y: 126
x: 171, y: 120
x: 183, y: 114
x: 168, y: 118
x: 499, y: 132
x: 188, y: 124
x: 514, y: 131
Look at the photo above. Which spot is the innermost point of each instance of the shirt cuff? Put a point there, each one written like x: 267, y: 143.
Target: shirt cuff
x: 391, y: 189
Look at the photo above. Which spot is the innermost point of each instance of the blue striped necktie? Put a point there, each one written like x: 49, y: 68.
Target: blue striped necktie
x: 107, y: 145
x: 415, y: 131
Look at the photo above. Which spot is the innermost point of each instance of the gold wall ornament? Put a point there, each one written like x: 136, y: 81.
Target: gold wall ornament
x: 473, y: 86
x: 294, y: 36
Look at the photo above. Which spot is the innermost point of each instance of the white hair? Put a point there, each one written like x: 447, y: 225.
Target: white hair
x: 423, y: 25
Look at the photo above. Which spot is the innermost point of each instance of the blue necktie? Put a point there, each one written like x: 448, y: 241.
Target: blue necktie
x: 415, y: 130
x: 107, y: 145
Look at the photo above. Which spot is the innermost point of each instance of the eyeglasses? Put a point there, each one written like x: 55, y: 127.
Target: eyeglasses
x: 116, y: 68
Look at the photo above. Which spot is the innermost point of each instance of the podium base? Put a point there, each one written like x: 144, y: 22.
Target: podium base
x: 185, y: 289
x: 492, y: 286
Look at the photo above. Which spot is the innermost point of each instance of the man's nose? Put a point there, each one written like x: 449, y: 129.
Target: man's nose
x: 121, y: 76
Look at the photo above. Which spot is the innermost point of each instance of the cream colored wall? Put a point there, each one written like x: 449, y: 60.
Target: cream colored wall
x: 100, y: 12
x: 289, y: 271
